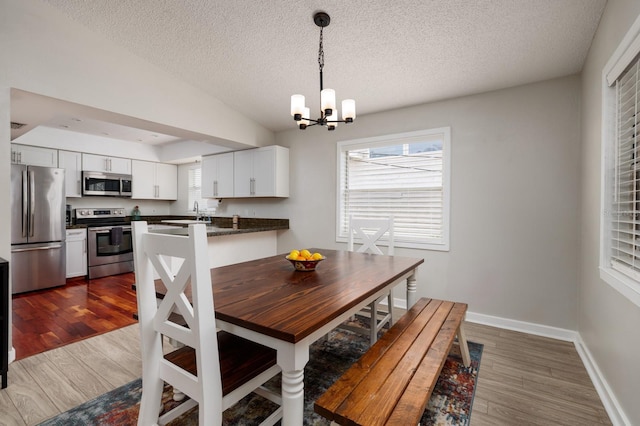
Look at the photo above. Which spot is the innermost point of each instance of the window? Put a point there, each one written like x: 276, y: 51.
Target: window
x: 620, y: 230
x: 195, y: 186
x: 405, y: 175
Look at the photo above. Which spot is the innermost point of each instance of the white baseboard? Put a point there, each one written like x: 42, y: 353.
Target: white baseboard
x: 611, y: 404
x: 12, y: 355
x: 522, y: 326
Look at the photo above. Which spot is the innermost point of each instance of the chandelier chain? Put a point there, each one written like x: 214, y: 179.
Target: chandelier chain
x: 321, y: 52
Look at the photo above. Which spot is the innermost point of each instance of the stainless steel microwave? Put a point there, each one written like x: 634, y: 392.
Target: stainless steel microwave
x: 106, y: 184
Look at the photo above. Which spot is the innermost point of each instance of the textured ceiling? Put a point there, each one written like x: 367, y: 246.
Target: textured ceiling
x: 253, y: 55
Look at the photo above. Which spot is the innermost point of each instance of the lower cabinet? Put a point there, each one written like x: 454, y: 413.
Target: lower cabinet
x: 76, y: 252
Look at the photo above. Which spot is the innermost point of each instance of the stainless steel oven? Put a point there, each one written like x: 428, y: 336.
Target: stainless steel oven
x: 109, y: 241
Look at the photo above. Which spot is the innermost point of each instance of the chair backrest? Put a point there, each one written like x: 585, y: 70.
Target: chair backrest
x: 150, y: 252
x: 368, y: 233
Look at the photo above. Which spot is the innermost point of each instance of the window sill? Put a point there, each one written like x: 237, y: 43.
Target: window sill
x: 624, y: 285
x: 417, y: 246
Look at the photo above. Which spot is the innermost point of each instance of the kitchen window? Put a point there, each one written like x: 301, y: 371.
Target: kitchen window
x: 620, y: 230
x: 195, y: 189
x: 402, y: 175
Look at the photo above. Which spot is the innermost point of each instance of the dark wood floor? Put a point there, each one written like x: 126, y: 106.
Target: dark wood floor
x: 48, y: 319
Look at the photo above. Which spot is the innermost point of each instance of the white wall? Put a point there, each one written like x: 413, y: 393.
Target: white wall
x: 46, y: 53
x: 514, y: 198
x: 50, y: 137
x: 607, y: 321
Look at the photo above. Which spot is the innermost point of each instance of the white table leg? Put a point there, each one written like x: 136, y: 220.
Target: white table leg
x: 411, y: 290
x: 292, y: 397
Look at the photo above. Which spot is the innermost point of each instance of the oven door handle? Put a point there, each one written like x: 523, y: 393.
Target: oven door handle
x: 107, y: 230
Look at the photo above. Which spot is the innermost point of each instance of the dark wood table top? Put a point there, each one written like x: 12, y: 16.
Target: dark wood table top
x: 268, y: 296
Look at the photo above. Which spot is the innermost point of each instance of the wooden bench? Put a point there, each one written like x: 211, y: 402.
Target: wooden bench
x: 392, y: 382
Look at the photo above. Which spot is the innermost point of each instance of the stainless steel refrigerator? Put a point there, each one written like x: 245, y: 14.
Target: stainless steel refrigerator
x: 38, y: 256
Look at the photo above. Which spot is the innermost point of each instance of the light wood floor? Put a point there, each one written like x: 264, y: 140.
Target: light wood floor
x: 523, y: 380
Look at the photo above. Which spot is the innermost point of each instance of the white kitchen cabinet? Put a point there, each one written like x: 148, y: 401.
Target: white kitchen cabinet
x: 71, y: 162
x: 34, y: 155
x: 217, y: 176
x: 261, y: 172
x: 155, y: 181
x: 101, y: 163
x: 76, y: 252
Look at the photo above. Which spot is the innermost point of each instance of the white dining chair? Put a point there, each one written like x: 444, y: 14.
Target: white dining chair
x: 367, y: 234
x: 201, y: 367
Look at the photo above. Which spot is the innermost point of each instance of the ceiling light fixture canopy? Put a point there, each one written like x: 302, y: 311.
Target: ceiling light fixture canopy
x: 328, y: 110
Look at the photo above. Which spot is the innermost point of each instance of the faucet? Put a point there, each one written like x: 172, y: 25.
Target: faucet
x: 196, y: 209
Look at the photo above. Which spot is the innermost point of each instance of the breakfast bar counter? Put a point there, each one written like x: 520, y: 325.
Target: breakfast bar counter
x: 250, y: 239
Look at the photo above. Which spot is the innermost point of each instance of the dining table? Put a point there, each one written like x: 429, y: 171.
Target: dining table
x: 269, y: 302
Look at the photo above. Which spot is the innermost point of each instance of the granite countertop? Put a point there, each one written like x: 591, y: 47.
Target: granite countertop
x: 217, y: 226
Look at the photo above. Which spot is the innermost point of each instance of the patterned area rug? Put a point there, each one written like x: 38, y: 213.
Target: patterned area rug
x: 450, y: 403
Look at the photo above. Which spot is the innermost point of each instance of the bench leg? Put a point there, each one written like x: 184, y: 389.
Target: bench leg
x: 464, y: 348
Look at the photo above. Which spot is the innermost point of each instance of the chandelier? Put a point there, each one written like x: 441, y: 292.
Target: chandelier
x: 328, y: 110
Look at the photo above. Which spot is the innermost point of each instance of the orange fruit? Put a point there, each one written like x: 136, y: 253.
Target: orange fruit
x: 293, y: 254
x: 305, y: 253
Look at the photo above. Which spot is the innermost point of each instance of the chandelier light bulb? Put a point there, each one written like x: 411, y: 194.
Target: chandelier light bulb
x: 348, y: 110
x: 332, y: 120
x: 297, y: 106
x: 304, y: 121
x: 328, y: 101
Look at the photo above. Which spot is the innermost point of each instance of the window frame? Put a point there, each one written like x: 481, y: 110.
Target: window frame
x: 395, y: 139
x: 626, y: 53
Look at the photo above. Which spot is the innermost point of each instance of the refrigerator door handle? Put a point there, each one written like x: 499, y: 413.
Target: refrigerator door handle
x: 36, y: 248
x: 25, y: 205
x: 32, y: 202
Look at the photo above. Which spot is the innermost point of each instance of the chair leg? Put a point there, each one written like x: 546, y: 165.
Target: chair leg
x: 150, y: 402
x: 390, y: 308
x: 209, y: 414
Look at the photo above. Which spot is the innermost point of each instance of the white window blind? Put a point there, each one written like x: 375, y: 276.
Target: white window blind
x: 625, y: 227
x: 405, y: 176
x: 195, y: 188
x: 620, y: 190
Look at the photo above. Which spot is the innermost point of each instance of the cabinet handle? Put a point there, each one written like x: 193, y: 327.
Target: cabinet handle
x: 215, y: 188
x: 19, y: 157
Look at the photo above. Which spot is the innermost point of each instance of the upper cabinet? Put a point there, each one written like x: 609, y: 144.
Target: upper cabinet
x: 155, y: 181
x: 71, y: 162
x: 101, y: 163
x: 261, y: 172
x: 34, y: 155
x: 217, y: 176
